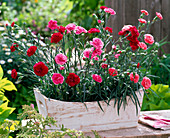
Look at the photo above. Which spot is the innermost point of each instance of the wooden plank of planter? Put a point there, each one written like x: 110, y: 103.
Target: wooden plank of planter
x: 141, y: 131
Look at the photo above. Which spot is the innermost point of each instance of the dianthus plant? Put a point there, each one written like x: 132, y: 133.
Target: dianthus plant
x: 73, y: 65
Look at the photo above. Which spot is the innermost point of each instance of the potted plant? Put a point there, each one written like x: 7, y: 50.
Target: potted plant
x: 78, y: 83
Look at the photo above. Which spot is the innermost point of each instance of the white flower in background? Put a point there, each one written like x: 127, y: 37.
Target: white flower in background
x: 7, y: 49
x: 164, y: 56
x: 4, y: 45
x: 13, y: 34
x: 17, y: 36
x: 33, y: 35
x: 29, y: 44
x: 7, y: 53
x: 9, y: 71
x: 24, y: 40
x: 2, y: 62
x: 9, y: 60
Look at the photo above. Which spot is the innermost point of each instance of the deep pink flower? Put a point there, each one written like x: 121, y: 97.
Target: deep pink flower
x: 14, y: 74
x: 148, y: 38
x: 79, y: 30
x: 145, y: 12
x: 12, y: 24
x: 93, y: 30
x: 97, y: 43
x: 142, y: 45
x: 96, y: 58
x: 116, y: 55
x: 62, y: 68
x: 146, y: 83
x: 109, y: 10
x: 60, y: 59
x: 135, y: 79
x: 70, y: 27
x: 56, y: 37
x: 52, y: 24
x: 57, y: 78
x: 87, y: 52
x: 138, y: 65
x: 97, y: 78
x: 96, y: 52
x: 114, y: 47
x: 103, y: 7
x: 104, y: 59
x: 99, y: 21
x: 142, y: 20
x: 113, y: 72
x: 109, y: 29
x: 159, y: 15
x: 104, y: 66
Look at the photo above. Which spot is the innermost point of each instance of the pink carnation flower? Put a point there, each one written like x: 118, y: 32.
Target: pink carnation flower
x: 159, y: 15
x: 126, y: 28
x: 52, y: 24
x: 104, y: 59
x: 117, y: 55
x: 109, y: 10
x: 96, y: 58
x: 142, y: 45
x: 97, y: 78
x: 62, y: 68
x: 113, y: 72
x: 145, y: 12
x: 57, y: 78
x: 87, y: 52
x: 148, y: 38
x: 96, y: 52
x: 146, y: 83
x: 135, y: 79
x: 104, y: 66
x: 114, y: 47
x: 60, y: 59
x: 142, y: 20
x: 97, y: 43
x: 79, y: 30
x: 70, y: 27
x: 99, y: 21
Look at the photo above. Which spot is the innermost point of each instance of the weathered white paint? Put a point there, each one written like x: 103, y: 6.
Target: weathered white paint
x: 74, y: 115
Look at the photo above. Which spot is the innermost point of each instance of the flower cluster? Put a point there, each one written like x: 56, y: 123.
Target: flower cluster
x: 76, y: 67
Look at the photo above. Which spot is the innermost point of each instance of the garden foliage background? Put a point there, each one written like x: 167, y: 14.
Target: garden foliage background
x: 36, y: 14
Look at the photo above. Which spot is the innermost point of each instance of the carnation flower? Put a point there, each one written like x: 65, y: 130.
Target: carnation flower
x: 96, y: 58
x: 12, y: 24
x: 104, y: 66
x: 116, y: 55
x: 114, y: 47
x: 99, y: 21
x: 126, y: 28
x: 109, y: 10
x: 79, y: 30
x: 109, y: 29
x: 138, y: 65
x: 87, y: 52
x: 104, y: 59
x: 14, y: 74
x: 146, y: 83
x: 97, y: 78
x: 97, y: 43
x: 159, y: 15
x: 56, y: 37
x: 134, y: 79
x: 142, y: 20
x: 70, y: 27
x: 103, y: 7
x: 60, y: 59
x: 142, y: 45
x: 145, y: 12
x: 31, y: 50
x: 57, y: 78
x: 72, y: 79
x: 148, y: 38
x: 61, y: 29
x: 52, y: 24
x: 62, y: 68
x: 93, y: 30
x: 134, y: 45
x: 96, y: 52
x: 12, y: 48
x: 113, y: 72
x: 40, y: 69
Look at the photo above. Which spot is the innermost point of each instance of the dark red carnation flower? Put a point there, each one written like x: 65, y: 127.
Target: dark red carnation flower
x: 14, y: 74
x: 40, y: 69
x: 72, y: 79
x: 138, y: 65
x: 56, y: 37
x: 103, y: 7
x: 13, y: 47
x: 134, y: 31
x: 61, y: 29
x: 31, y: 50
x: 134, y: 45
x: 12, y: 24
x: 93, y: 30
x: 109, y: 29
x: 121, y: 33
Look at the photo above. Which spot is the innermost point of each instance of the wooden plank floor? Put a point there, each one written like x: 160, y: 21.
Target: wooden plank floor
x: 141, y: 131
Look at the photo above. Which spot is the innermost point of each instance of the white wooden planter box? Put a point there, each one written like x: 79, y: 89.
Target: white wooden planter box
x: 74, y: 115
